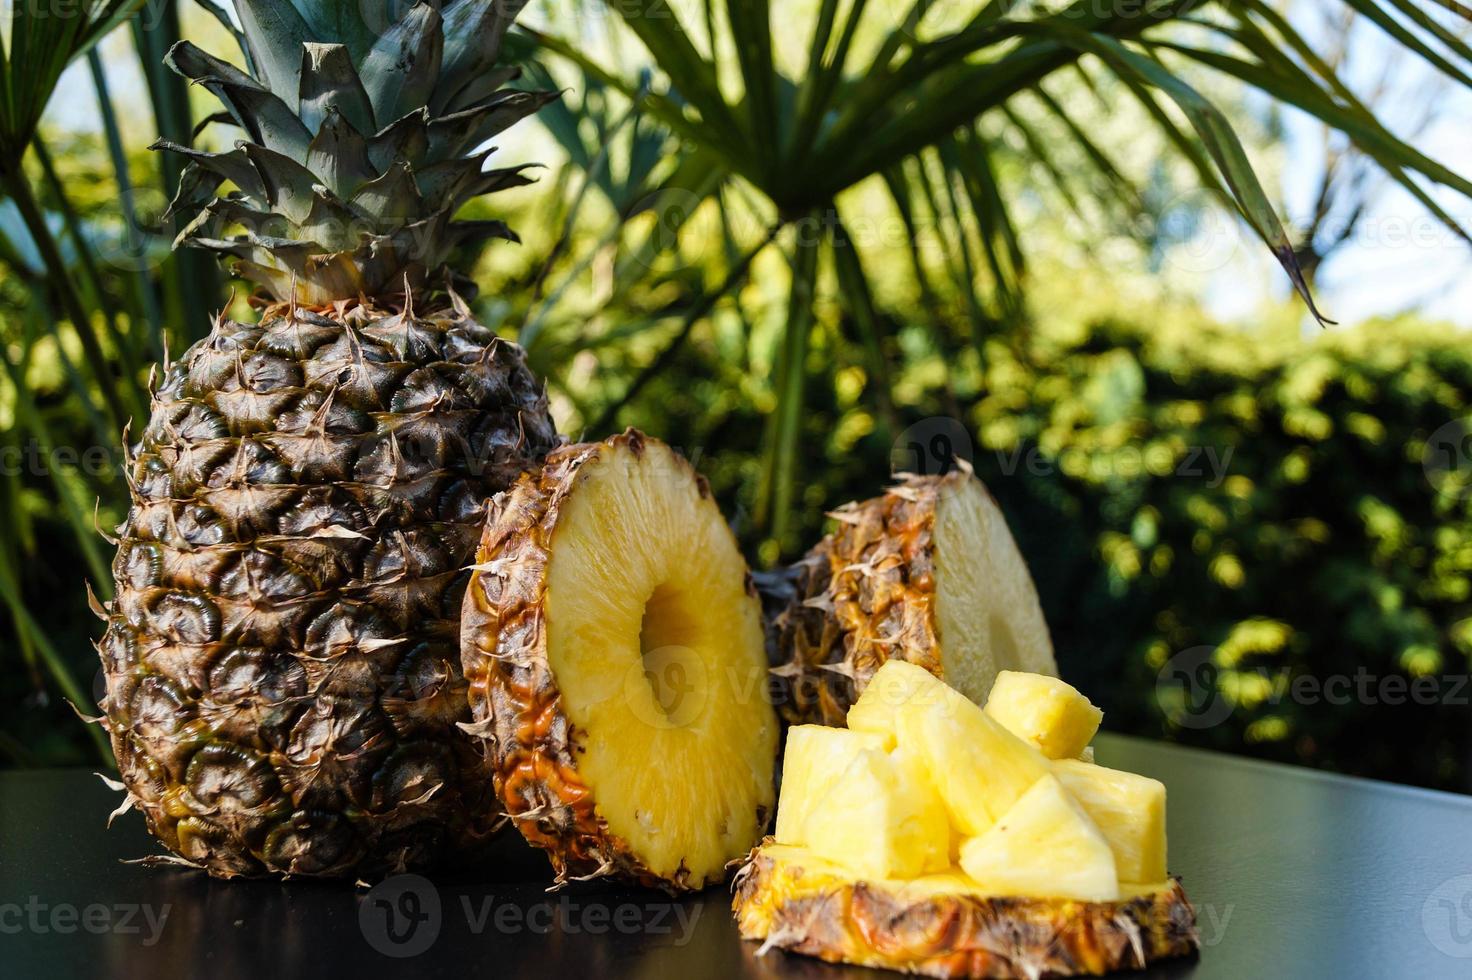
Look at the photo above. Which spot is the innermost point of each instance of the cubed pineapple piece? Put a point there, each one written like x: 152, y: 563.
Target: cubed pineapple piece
x: 1128, y: 809
x: 815, y: 757
x: 894, y: 684
x: 1045, y: 846
x: 979, y: 767
x: 1047, y: 712
x: 881, y: 818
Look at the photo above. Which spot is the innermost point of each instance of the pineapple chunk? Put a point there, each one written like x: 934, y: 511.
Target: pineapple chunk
x: 1045, y: 847
x: 979, y: 767
x: 1128, y: 809
x: 816, y: 756
x: 894, y: 684
x: 1047, y: 712
x: 881, y: 818
x: 1087, y: 755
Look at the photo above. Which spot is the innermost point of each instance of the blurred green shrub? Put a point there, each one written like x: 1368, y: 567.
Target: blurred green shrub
x: 1245, y: 541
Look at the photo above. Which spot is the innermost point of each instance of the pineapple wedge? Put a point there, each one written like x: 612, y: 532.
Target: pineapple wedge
x: 882, y: 819
x: 1045, y: 711
x: 1128, y: 809
x: 1044, y: 847
x: 979, y: 767
x: 895, y: 684
x: 815, y: 758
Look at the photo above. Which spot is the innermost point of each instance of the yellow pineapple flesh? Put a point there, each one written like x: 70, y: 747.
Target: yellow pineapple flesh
x: 1128, y: 809
x: 882, y: 819
x: 987, y: 614
x: 894, y: 685
x: 1045, y: 711
x: 1045, y: 845
x: 979, y: 768
x: 814, y: 759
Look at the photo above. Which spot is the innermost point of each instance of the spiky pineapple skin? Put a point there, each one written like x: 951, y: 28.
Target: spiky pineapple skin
x: 862, y: 595
x: 281, y: 659
x: 959, y: 935
x: 531, y: 746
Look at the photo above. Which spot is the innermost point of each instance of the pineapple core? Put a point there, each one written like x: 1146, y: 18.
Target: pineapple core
x: 1045, y: 711
x: 986, y: 609
x: 1044, y: 846
x: 658, y: 651
x: 1129, y: 810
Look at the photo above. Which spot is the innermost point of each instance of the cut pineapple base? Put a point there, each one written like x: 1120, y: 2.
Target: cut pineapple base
x: 987, y: 612
x: 946, y: 925
x: 622, y: 676
x: 927, y: 837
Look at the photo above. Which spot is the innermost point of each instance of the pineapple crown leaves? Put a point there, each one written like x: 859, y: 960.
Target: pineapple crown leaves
x: 361, y: 142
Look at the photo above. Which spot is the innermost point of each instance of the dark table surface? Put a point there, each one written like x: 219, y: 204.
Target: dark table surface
x: 1293, y: 873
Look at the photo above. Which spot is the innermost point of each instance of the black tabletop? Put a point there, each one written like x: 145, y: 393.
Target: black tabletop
x: 1293, y: 873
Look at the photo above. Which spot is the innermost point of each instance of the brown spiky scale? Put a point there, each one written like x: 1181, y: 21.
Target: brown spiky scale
x: 531, y: 746
x: 282, y: 663
x: 819, y: 913
x: 863, y: 595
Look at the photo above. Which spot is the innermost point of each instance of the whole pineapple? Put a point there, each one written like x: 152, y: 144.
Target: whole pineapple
x: 283, y: 679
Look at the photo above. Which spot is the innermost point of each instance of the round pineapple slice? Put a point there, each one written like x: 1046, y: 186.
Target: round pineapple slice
x: 927, y: 573
x: 613, y: 644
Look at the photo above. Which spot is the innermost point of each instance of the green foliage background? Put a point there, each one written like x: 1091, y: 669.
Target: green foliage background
x: 1254, y: 505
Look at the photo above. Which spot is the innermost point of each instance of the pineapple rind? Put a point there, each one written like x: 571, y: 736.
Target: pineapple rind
x: 282, y: 657
x: 867, y: 593
x: 944, y: 926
